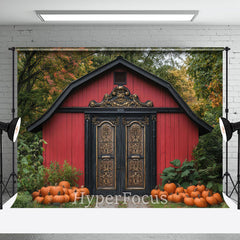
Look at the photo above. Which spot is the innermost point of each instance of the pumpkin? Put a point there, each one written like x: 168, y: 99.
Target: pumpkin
x: 44, y: 191
x: 177, y: 198
x: 54, y: 190
x: 195, y: 193
x: 200, y: 202
x: 67, y: 198
x: 39, y: 199
x: 70, y: 191
x: 73, y: 195
x: 48, y: 199
x: 218, y: 197
x: 183, y: 194
x: 64, y: 184
x: 189, y: 201
x: 170, y: 197
x: 206, y: 192
x: 65, y: 190
x: 155, y: 192
x: 185, y: 190
x: 200, y: 187
x: 35, y: 194
x: 170, y: 187
x: 190, y: 189
x: 162, y: 195
x: 58, y: 198
x: 179, y: 189
x: 83, y: 191
x: 211, y: 199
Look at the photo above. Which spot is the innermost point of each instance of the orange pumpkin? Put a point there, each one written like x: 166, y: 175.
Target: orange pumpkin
x: 218, y: 197
x: 39, y: 199
x: 64, y: 184
x: 83, y: 191
x: 54, y: 190
x: 211, y: 199
x: 35, y: 194
x: 200, y: 202
x: 177, y: 198
x: 48, y: 199
x: 170, y: 197
x: 73, y: 195
x: 170, y: 187
x: 65, y: 190
x: 70, y: 191
x: 155, y: 192
x: 67, y: 198
x: 190, y: 189
x: 44, y: 191
x: 200, y: 187
x: 189, y: 201
x: 58, y: 198
x: 179, y: 189
x: 195, y: 193
x: 162, y: 195
x: 206, y: 192
x: 183, y: 194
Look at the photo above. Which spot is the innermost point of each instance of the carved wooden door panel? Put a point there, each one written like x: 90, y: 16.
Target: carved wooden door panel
x: 120, y: 154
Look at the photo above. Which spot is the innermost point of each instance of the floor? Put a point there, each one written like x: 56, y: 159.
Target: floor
x: 125, y: 220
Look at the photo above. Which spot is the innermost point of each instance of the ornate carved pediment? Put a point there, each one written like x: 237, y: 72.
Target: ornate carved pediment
x: 120, y: 97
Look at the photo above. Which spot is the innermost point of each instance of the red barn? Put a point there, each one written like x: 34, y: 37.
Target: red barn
x: 122, y: 126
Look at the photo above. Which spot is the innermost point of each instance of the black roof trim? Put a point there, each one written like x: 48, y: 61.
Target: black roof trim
x: 37, y: 125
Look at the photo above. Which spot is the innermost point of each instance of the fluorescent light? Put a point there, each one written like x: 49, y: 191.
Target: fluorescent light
x: 116, y: 16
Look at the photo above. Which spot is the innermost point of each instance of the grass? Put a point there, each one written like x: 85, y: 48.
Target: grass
x: 24, y: 200
x: 121, y: 204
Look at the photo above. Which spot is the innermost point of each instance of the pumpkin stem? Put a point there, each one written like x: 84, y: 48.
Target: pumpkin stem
x: 49, y: 193
x: 209, y: 194
x: 59, y: 193
x: 156, y: 187
x: 198, y: 196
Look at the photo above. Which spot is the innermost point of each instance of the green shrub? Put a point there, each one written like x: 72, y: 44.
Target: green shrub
x: 23, y: 200
x: 30, y: 169
x: 184, y: 174
x: 56, y: 173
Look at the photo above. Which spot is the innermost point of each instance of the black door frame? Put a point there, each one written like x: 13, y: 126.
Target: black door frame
x: 90, y: 151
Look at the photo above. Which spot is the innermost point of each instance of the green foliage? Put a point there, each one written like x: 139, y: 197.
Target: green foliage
x: 56, y: 173
x: 30, y: 169
x: 23, y: 200
x: 184, y: 175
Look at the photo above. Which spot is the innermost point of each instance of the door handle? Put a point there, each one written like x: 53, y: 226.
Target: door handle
x: 106, y: 156
x: 135, y: 156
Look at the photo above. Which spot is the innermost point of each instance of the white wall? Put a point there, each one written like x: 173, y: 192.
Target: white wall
x: 119, y: 36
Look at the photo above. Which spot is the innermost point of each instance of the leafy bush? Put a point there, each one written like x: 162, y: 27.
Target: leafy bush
x: 32, y: 175
x: 208, y: 158
x: 184, y: 175
x: 23, y: 200
x: 56, y: 173
x: 30, y: 169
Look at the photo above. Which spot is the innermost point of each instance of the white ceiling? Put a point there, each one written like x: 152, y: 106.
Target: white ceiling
x: 211, y: 12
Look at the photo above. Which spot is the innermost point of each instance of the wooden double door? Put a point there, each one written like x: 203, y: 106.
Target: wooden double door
x: 122, y: 154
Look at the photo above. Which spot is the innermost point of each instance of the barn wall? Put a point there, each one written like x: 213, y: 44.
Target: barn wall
x: 95, y: 90
x: 65, y: 137
x: 177, y: 136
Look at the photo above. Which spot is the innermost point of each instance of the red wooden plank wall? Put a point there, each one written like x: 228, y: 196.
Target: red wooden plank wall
x: 176, y: 133
x: 177, y: 136
x: 65, y: 136
x: 96, y: 89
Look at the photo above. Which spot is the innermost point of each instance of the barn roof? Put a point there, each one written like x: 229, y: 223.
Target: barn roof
x: 118, y: 62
